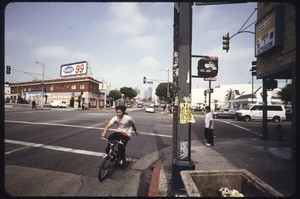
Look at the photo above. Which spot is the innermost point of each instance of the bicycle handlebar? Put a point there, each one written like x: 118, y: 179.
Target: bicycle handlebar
x: 120, y: 142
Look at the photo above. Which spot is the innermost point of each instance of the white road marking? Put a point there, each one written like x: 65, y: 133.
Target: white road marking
x: 85, y: 127
x: 57, y: 148
x: 238, y: 126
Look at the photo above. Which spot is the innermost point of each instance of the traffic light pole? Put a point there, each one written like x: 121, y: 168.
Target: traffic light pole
x: 209, y: 94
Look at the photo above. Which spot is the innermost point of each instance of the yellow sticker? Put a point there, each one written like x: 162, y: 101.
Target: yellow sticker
x: 186, y: 115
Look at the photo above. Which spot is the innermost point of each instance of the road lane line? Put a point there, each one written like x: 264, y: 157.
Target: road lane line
x: 57, y: 148
x: 238, y: 126
x: 85, y: 127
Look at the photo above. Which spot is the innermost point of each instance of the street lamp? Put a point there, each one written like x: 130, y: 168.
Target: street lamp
x: 168, y: 91
x: 43, y: 65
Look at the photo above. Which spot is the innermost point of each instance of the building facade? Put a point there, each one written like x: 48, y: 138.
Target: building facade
x: 75, y: 91
x: 235, y: 96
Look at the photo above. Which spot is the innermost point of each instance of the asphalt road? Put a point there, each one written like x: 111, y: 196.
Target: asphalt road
x: 67, y: 142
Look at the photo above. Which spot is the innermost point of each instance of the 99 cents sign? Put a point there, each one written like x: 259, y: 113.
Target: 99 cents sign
x: 78, y: 68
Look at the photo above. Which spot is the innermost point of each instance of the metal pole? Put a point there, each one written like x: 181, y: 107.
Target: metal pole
x: 209, y: 97
x: 168, y: 92
x: 265, y: 112
x: 182, y: 160
x: 252, y: 89
x: 43, y: 65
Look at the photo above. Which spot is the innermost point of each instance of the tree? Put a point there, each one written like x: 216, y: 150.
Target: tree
x: 162, y: 90
x: 115, y: 94
x: 286, y: 93
x: 229, y: 94
x: 128, y: 92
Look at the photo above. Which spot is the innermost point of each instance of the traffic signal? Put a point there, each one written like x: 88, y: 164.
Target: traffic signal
x: 226, y: 39
x: 8, y: 69
x: 144, y: 80
x: 271, y: 84
x: 205, y: 93
x: 208, y: 67
x: 254, y: 68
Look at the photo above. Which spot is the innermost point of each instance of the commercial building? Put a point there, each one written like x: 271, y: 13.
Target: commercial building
x: 74, y: 90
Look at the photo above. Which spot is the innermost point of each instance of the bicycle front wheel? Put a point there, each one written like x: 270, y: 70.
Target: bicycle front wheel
x: 106, y: 168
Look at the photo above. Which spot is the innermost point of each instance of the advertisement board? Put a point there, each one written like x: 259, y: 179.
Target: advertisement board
x: 269, y: 31
x: 78, y: 68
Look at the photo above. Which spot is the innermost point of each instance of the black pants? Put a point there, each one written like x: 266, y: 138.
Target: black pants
x: 209, y: 135
x: 118, y: 136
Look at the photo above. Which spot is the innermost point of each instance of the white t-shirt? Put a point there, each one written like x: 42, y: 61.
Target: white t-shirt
x: 124, y: 124
x: 208, y: 118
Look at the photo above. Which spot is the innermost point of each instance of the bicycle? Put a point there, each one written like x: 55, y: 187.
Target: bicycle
x: 110, y: 161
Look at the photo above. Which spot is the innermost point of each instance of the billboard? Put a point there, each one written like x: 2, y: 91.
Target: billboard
x: 78, y: 68
x: 269, y: 31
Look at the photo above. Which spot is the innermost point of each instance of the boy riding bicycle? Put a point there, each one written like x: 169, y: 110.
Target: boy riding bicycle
x: 125, y: 126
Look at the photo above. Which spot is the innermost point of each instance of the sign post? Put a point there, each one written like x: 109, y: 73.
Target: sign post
x: 182, y: 83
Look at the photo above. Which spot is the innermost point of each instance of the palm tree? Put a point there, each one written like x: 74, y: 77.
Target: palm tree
x: 229, y: 96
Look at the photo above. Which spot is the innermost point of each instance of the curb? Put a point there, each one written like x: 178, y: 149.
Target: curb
x: 153, y: 188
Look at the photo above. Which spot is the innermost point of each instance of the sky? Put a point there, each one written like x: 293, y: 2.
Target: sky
x: 123, y: 42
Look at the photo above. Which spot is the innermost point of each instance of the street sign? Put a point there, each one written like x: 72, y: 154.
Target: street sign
x: 210, y: 79
x: 208, y: 67
x: 149, y: 82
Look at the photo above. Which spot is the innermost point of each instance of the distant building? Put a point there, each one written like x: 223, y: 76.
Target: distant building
x: 75, y: 91
x: 234, y: 96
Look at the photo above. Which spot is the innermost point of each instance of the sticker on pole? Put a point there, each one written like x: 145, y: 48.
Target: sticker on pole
x: 186, y: 115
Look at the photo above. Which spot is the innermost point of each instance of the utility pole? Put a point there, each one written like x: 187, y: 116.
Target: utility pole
x: 182, y: 43
x: 43, y: 65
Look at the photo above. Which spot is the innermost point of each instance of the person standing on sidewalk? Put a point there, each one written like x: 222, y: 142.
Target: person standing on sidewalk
x: 209, y: 126
x: 33, y: 104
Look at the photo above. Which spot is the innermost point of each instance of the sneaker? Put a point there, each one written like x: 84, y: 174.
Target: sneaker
x: 207, y: 144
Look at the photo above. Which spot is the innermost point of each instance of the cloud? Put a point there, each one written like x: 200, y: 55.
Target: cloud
x: 143, y: 42
x: 127, y: 19
x: 13, y: 36
x: 148, y: 62
x: 60, y: 52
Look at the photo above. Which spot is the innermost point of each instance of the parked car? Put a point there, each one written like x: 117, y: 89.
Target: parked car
x: 46, y: 105
x: 196, y: 108
x: 150, y: 109
x: 276, y: 113
x: 224, y: 113
x: 58, y: 104
x: 139, y: 105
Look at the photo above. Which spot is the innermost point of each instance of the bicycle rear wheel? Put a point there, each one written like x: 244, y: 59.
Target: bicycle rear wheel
x: 106, y: 168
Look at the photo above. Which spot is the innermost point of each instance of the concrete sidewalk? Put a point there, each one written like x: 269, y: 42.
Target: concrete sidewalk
x: 204, y: 158
x: 207, y: 158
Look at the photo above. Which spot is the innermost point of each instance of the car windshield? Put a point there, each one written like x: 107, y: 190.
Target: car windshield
x: 247, y: 107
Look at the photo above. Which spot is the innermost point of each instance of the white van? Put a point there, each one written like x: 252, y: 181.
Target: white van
x: 276, y: 113
x: 58, y: 104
